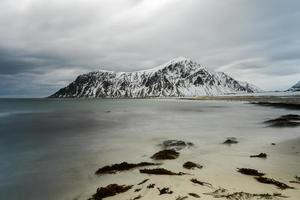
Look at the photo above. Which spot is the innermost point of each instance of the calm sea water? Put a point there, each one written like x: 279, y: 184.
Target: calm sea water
x: 50, y: 149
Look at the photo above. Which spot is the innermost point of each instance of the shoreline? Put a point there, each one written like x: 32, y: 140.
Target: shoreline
x: 289, y: 102
x: 274, y: 99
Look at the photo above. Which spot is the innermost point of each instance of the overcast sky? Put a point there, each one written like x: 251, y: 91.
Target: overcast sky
x: 45, y: 44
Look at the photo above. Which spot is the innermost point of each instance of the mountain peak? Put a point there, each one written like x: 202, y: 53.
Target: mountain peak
x: 178, y: 77
x: 180, y: 59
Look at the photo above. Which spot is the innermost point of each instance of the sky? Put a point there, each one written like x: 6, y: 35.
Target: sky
x: 44, y: 45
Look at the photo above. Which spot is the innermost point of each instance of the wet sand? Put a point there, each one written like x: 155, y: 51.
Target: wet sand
x: 219, y: 172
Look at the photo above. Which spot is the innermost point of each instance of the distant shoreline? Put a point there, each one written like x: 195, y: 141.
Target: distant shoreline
x: 291, y: 99
x: 270, y: 99
x: 292, y: 102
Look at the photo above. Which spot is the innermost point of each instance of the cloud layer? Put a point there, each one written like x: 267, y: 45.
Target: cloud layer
x: 46, y: 44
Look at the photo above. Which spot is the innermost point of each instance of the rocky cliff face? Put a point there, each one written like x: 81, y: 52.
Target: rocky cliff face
x: 178, y: 77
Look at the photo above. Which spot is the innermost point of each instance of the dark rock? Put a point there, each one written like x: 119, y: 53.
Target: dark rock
x: 176, y: 144
x: 273, y: 144
x: 266, y: 180
x: 165, y: 155
x: 160, y: 171
x: 144, y: 181
x: 150, y: 186
x: 191, y: 165
x: 110, y: 190
x: 223, y: 193
x: 173, y: 143
x: 284, y: 121
x: 290, y: 106
x: 201, y: 183
x: 250, y: 172
x: 261, y: 155
x: 230, y: 140
x: 181, y: 198
x: 137, y: 197
x: 137, y: 190
x: 164, y: 190
x: 298, y: 182
x: 194, y: 195
x: 110, y: 169
x: 190, y: 144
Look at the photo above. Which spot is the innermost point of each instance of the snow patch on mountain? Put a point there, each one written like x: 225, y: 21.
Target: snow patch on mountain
x: 250, y: 86
x: 295, y: 88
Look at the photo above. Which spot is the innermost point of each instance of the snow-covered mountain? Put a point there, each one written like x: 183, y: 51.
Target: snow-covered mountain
x: 250, y: 86
x: 295, y: 88
x: 178, y: 77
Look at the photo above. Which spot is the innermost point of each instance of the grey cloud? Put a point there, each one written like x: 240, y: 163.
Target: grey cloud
x: 12, y: 63
x: 59, y: 39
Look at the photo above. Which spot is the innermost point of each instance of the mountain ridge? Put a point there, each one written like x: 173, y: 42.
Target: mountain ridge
x: 177, y: 78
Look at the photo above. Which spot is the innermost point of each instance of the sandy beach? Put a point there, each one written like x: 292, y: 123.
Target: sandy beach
x: 219, y: 170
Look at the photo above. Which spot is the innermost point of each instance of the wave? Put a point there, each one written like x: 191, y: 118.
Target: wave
x: 10, y: 113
